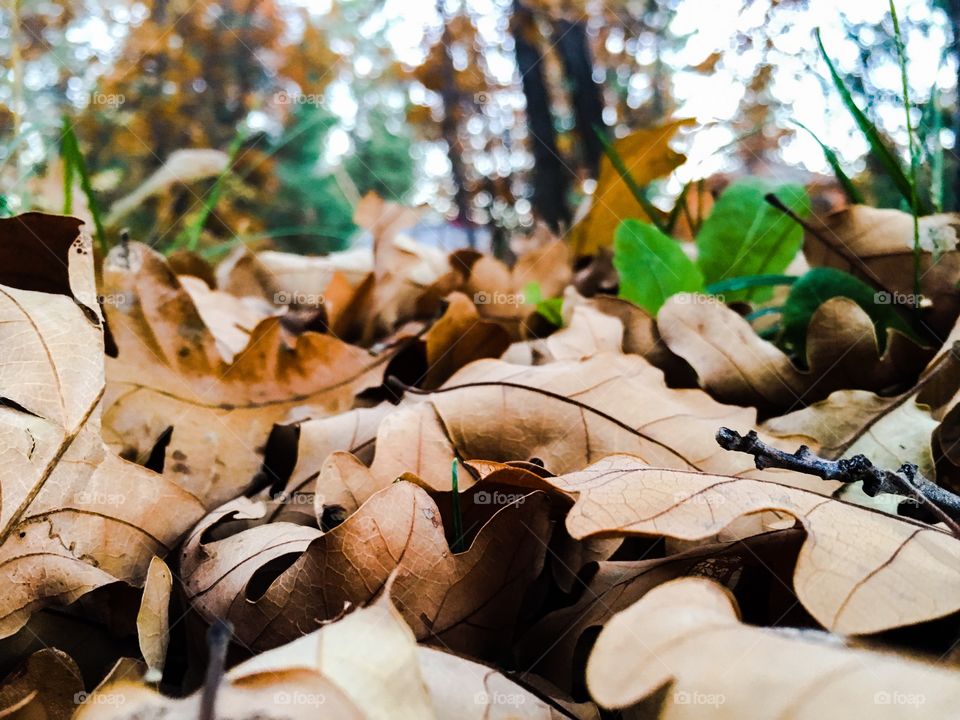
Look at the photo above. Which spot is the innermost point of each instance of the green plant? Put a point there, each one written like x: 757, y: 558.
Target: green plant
x: 74, y: 165
x: 743, y: 247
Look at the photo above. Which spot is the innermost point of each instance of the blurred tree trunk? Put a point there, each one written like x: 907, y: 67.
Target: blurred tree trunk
x: 550, y: 175
x: 450, y: 94
x: 574, y: 49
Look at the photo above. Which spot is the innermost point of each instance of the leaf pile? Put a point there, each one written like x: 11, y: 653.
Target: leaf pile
x: 261, y: 452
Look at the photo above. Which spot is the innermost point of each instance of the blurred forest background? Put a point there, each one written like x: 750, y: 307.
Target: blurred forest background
x: 489, y: 111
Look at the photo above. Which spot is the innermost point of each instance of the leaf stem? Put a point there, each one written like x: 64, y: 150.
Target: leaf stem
x: 745, y: 282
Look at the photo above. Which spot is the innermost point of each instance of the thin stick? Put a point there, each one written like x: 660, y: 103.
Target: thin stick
x: 218, y: 638
x: 941, y: 503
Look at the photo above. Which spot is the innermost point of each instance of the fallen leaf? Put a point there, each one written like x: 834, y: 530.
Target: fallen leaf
x: 737, y: 366
x: 276, y: 581
x: 552, y: 648
x: 287, y: 695
x: 169, y: 374
x: 860, y: 571
x: 567, y: 414
x: 686, y: 634
x: 153, y: 619
x: 371, y: 654
x: 230, y: 319
x: 647, y: 156
x: 74, y: 516
x: 876, y: 245
x: 458, y: 337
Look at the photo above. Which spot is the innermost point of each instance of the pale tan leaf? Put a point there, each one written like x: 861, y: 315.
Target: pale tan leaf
x: 169, y: 374
x: 153, y: 619
x: 687, y: 634
x: 279, y: 580
x: 74, y: 517
x: 551, y: 646
x: 876, y: 245
x: 294, y: 694
x: 371, y: 654
x: 229, y: 318
x: 860, y: 571
x: 737, y: 366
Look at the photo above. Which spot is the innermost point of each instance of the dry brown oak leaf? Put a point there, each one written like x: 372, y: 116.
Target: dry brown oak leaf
x: 277, y: 581
x: 169, y: 374
x: 566, y: 413
x: 736, y: 366
x: 876, y: 245
x: 370, y: 659
x: 860, y: 570
x: 73, y: 515
x: 687, y: 633
x: 553, y: 647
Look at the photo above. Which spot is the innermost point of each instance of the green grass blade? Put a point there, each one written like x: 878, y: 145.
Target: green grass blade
x: 886, y: 157
x: 763, y: 312
x: 678, y: 207
x: 914, y: 156
x: 72, y: 156
x: 457, y: 545
x: 849, y: 189
x: 936, y: 152
x: 68, y: 179
x: 195, y: 229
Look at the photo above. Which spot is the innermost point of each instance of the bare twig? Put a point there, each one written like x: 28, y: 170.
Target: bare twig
x: 938, y: 502
x: 218, y: 638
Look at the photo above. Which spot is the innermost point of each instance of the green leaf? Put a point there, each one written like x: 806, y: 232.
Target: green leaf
x: 552, y: 310
x: 819, y: 285
x: 744, y: 235
x: 652, y: 266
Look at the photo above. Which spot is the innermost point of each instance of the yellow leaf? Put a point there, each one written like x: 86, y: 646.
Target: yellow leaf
x: 647, y: 156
